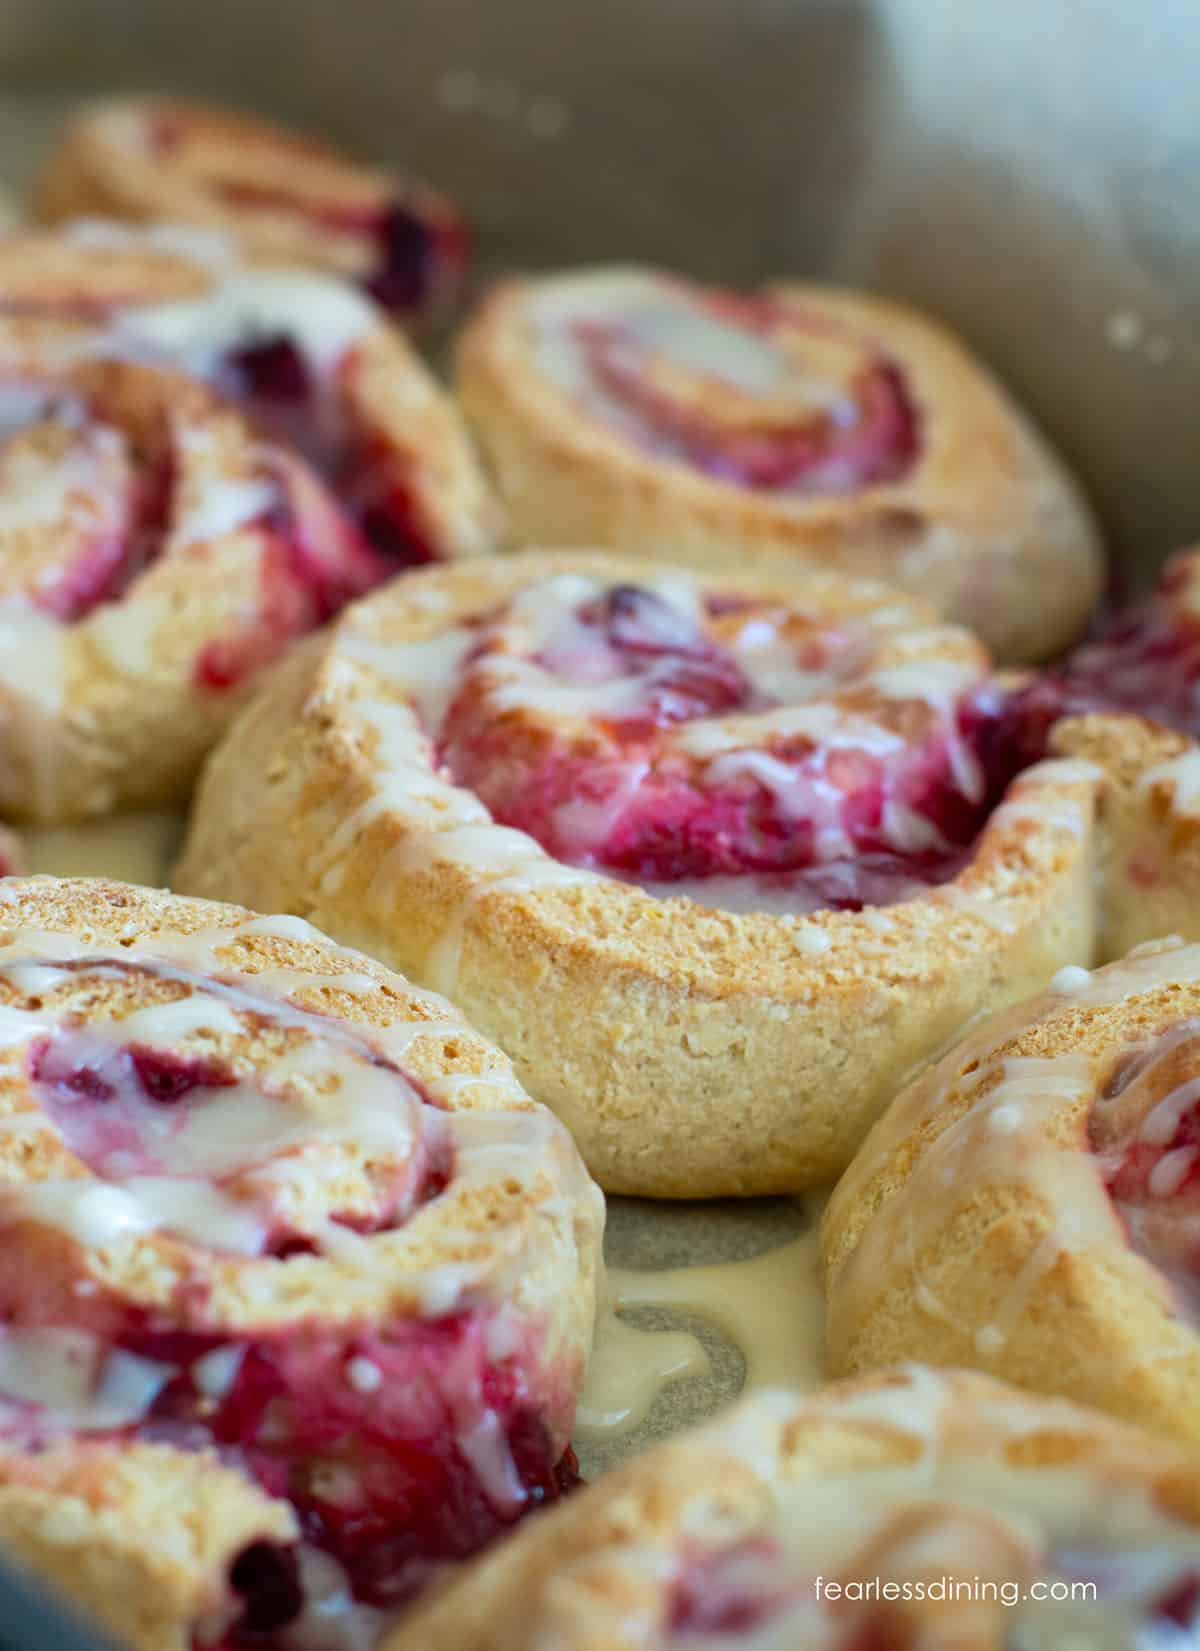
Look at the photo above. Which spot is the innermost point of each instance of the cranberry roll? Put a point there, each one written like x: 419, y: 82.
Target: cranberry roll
x: 1032, y: 1205
x: 715, y: 858
x: 298, y: 1284
x: 635, y: 411
x: 198, y: 464
x: 283, y: 197
x: 915, y: 1511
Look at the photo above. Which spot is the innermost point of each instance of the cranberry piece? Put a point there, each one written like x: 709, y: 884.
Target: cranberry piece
x: 406, y: 271
x: 167, y: 1078
x: 1181, y: 1604
x: 83, y: 1081
x: 272, y: 368
x: 109, y: 562
x: 686, y: 675
x: 392, y: 527
x: 731, y: 1592
x: 1146, y: 661
x: 292, y: 1244
x: 267, y: 1577
x: 638, y: 621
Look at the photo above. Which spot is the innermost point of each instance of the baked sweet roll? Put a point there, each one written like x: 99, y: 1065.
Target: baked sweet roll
x: 197, y: 465
x: 1032, y: 1205
x: 714, y: 858
x: 298, y: 1284
x: 285, y: 198
x: 633, y: 410
x: 915, y: 1511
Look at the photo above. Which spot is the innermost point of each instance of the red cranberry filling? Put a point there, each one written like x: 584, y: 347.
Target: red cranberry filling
x: 315, y: 561
x: 162, y: 1076
x: 312, y: 558
x: 271, y: 380
x: 844, y: 822
x: 421, y: 259
x: 130, y: 1110
x: 730, y: 1592
x: 1145, y: 1130
x: 402, y: 1444
x: 107, y: 564
x: 421, y: 1464
x: 1181, y: 1602
x: 401, y: 1450
x: 421, y: 256
x: 1146, y: 661
x: 869, y: 434
x: 267, y: 1577
x: 423, y: 250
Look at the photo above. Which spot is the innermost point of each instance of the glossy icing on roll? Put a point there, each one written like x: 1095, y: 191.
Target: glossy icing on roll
x: 1063, y: 1136
x: 647, y: 708
x: 274, y: 1207
x: 910, y: 1509
x: 716, y: 803
x: 200, y: 463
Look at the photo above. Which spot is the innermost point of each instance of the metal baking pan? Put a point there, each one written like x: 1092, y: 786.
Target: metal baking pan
x: 1029, y: 171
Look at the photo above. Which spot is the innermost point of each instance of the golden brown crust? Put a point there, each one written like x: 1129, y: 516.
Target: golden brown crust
x: 457, y: 1068
x: 604, y: 1572
x: 975, y: 1225
x: 142, y: 1537
x: 144, y: 1533
x: 691, y: 1051
x: 155, y: 159
x: 113, y: 700
x: 1151, y: 813
x: 986, y: 513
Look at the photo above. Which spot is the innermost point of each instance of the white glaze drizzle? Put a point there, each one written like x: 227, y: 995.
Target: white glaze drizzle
x: 372, y: 1110
x: 1005, y: 1137
x: 964, y: 1496
x: 324, y: 318
x: 446, y: 824
x: 1182, y: 775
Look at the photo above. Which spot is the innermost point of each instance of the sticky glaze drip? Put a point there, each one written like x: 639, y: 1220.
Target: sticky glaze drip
x: 581, y: 716
x: 933, y: 1482
x: 1002, y: 1122
x: 388, y: 1314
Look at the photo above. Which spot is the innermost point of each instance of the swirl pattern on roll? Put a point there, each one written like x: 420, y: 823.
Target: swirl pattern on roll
x: 912, y: 1511
x: 299, y: 1284
x: 284, y: 197
x: 199, y: 464
x: 718, y: 836
x: 807, y: 426
x: 1032, y: 1206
